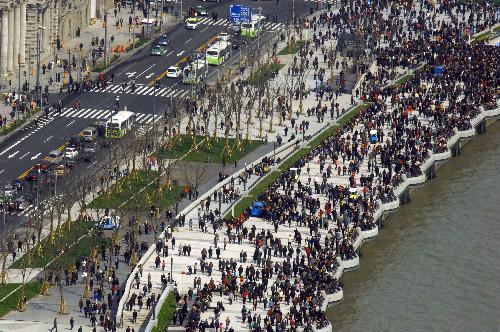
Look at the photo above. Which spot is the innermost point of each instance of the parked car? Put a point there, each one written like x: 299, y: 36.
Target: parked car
x: 158, y: 50
x: 71, y: 153
x: 174, y: 72
x: 18, y: 184
x: 55, y: 157
x: 108, y: 223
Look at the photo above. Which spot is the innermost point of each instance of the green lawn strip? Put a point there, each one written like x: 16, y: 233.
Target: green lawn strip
x: 292, y: 47
x: 31, y: 289
x: 402, y: 80
x: 166, y: 313
x: 263, y: 184
x: 482, y: 37
x: 78, y: 229
x: 264, y: 73
x: 259, y: 188
x: 213, y: 150
x: 138, y: 189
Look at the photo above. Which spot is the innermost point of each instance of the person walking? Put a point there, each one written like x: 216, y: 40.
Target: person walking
x: 55, y: 325
x: 71, y: 323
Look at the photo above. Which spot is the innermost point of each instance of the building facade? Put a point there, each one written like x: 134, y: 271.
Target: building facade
x: 53, y: 20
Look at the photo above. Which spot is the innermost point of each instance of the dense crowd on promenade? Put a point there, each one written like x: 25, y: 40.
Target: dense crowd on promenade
x: 328, y: 198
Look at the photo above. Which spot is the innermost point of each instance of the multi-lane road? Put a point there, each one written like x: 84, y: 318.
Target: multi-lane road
x: 20, y: 152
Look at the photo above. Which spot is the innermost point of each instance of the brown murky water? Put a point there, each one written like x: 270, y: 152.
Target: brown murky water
x: 436, y: 264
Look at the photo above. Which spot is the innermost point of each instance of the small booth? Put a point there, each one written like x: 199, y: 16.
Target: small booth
x: 373, y: 136
x: 256, y: 210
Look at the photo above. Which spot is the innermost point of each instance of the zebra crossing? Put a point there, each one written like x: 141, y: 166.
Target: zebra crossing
x: 328, y: 2
x: 225, y: 22
x: 143, y: 90
x: 93, y: 113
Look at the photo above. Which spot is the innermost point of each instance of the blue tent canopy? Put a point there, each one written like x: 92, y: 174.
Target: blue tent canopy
x: 438, y: 70
x: 256, y: 210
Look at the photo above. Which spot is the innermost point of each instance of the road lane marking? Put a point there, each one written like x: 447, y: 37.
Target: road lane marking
x: 10, y: 147
x: 24, y: 155
x: 12, y: 155
x: 187, y: 41
x: 69, y: 124
x: 154, y: 64
x: 48, y: 139
x: 1, y: 171
x: 35, y: 156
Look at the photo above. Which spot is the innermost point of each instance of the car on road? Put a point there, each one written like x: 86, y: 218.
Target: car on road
x: 32, y: 175
x: 55, y: 157
x: 108, y: 223
x: 18, y: 184
x: 43, y: 165
x: 70, y: 153
x: 198, y: 11
x: 21, y: 203
x: 91, y: 147
x: 224, y: 36
x: 192, y: 23
x: 174, y: 72
x: 76, y: 142
x: 88, y: 156
x: 158, y: 50
x: 89, y: 134
x: 9, y: 190
x: 196, y: 56
x: 164, y: 40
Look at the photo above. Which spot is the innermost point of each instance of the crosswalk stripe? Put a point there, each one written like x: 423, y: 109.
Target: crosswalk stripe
x: 109, y: 87
x: 161, y: 91
x: 147, y: 91
x: 66, y: 111
x: 139, y: 116
x: 116, y: 88
x: 84, y: 113
x: 203, y: 21
x: 138, y: 91
x: 72, y: 113
x: 106, y: 114
x: 94, y: 113
x: 166, y: 92
x: 146, y: 119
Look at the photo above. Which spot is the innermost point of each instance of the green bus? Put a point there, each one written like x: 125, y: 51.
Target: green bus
x: 218, y: 53
x: 253, y: 28
x: 119, y: 124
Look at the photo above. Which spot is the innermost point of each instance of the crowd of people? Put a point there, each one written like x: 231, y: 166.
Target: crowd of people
x: 329, y: 197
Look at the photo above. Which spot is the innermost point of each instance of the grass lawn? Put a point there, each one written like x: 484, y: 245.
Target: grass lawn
x: 77, y: 230
x: 292, y: 47
x: 137, y: 189
x: 10, y: 303
x: 264, y: 73
x: 214, y: 150
x: 166, y: 313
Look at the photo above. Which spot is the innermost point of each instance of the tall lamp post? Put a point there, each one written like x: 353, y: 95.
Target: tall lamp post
x: 37, y: 88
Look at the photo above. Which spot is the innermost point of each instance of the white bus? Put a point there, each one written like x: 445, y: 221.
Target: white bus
x: 218, y: 53
x: 195, y: 72
x: 119, y: 124
x: 254, y: 28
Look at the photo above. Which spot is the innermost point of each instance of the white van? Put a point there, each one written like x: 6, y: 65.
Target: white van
x: 89, y: 134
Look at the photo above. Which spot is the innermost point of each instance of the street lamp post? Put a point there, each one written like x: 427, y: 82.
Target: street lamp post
x: 105, y: 39
x: 37, y: 88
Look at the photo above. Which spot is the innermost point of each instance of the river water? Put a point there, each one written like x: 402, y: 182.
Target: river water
x: 436, y: 263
